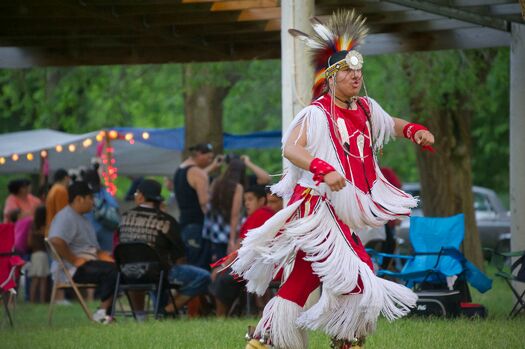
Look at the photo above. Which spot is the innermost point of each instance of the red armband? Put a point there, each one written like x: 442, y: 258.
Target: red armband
x: 410, y: 130
x: 320, y: 169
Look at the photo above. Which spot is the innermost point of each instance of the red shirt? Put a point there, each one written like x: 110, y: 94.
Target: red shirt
x: 255, y: 220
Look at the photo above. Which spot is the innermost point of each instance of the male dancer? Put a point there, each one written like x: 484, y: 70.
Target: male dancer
x: 335, y: 187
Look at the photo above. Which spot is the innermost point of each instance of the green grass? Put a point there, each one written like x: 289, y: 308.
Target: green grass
x: 71, y: 330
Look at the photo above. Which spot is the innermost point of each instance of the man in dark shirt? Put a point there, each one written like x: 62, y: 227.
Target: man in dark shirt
x: 147, y: 223
x: 191, y: 191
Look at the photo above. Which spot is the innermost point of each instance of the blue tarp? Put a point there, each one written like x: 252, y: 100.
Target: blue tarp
x: 173, y: 138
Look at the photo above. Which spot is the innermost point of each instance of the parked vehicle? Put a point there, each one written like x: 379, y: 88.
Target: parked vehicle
x: 492, y: 219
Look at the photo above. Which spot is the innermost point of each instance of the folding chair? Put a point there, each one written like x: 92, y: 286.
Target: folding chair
x: 10, y: 265
x: 513, y: 274
x: 60, y: 284
x: 436, y: 256
x: 140, y: 269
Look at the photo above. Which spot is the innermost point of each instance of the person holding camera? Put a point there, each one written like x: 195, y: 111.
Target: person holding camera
x: 224, y: 214
x: 191, y: 187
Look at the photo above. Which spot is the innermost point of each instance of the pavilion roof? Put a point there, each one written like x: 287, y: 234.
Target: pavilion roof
x: 98, y: 32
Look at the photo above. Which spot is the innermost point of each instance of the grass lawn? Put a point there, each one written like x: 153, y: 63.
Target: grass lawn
x: 71, y: 330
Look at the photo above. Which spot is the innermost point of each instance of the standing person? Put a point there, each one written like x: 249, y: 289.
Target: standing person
x: 39, y: 266
x: 335, y: 188
x: 20, y: 200
x: 191, y: 184
x: 75, y: 241
x: 223, y: 217
x: 105, y: 215
x: 57, y: 197
x: 147, y: 223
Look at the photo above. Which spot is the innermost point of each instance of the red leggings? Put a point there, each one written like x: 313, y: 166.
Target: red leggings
x: 302, y: 280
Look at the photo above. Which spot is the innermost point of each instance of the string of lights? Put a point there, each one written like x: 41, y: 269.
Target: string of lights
x: 105, y: 151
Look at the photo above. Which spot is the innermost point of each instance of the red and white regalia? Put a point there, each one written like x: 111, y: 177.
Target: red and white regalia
x: 314, y: 236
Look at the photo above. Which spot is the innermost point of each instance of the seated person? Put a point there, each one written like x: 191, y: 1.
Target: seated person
x: 147, y: 223
x: 75, y: 241
x: 225, y: 287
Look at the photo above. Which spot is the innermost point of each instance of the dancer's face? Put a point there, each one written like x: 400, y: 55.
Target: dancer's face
x: 348, y: 83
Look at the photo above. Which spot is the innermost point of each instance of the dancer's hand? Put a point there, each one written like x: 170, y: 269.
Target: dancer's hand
x: 424, y: 138
x: 335, y: 181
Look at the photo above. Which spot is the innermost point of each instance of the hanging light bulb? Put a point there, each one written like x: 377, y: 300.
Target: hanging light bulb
x: 43, y: 153
x: 2, y: 160
x: 72, y: 148
x: 100, y: 136
x: 87, y: 142
x: 145, y: 135
x: 129, y: 136
x: 29, y: 156
x: 15, y: 157
x: 59, y: 148
x: 113, y: 134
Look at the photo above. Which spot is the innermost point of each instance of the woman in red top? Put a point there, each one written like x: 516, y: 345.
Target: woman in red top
x: 225, y: 287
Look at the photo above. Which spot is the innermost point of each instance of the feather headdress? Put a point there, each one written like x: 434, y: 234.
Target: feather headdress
x: 343, y: 32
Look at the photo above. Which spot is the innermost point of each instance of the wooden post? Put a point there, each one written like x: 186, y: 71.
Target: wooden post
x: 517, y: 139
x: 297, y: 74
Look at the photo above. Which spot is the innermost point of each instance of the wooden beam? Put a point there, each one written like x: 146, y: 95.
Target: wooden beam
x: 273, y: 25
x: 14, y: 30
x: 133, y: 25
x: 45, y: 10
x: 460, y: 39
x: 455, y: 13
x: 16, y: 58
x: 419, y: 26
x: 470, y: 3
x: 260, y: 14
x: 64, y: 43
x: 235, y: 5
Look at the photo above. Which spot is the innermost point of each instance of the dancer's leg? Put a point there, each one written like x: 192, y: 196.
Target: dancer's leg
x: 277, y: 325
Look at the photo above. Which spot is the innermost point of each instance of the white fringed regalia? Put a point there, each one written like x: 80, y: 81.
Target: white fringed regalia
x: 315, y: 232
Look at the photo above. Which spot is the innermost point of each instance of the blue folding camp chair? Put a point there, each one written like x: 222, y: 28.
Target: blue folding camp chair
x: 436, y: 256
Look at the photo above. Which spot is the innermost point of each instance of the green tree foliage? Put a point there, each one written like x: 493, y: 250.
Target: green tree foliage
x: 88, y: 98
x: 482, y: 74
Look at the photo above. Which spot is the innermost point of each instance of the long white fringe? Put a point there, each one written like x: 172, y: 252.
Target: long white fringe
x: 250, y: 262
x: 339, y: 268
x: 279, y: 322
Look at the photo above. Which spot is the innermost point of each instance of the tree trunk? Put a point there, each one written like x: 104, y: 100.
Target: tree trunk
x: 446, y: 176
x: 203, y: 108
x: 53, y: 78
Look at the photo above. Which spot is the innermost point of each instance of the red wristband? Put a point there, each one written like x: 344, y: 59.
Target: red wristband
x: 410, y: 130
x: 320, y: 168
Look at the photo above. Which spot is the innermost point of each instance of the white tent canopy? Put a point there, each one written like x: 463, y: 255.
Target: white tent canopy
x: 158, y: 154
x: 137, y: 159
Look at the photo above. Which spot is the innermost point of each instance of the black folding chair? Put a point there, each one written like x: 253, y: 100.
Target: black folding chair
x: 140, y: 269
x: 516, y: 274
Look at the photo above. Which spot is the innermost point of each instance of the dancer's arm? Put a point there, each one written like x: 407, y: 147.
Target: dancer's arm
x: 235, y: 217
x: 422, y: 137
x: 295, y: 151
